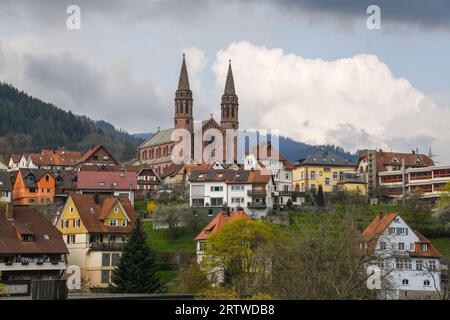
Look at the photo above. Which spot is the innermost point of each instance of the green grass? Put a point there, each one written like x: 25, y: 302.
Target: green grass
x: 168, y: 276
x: 442, y: 245
x: 160, y: 240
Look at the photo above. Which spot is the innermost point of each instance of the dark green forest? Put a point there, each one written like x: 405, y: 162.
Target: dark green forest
x: 28, y: 124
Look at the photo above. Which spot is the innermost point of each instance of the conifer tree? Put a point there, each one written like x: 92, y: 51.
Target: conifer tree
x: 320, y: 197
x: 136, y: 270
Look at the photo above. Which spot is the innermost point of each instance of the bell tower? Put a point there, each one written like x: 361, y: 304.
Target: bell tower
x: 183, y: 101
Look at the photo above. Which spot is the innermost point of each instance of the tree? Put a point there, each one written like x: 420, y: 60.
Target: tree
x: 193, y: 279
x: 2, y: 286
x: 232, y: 254
x: 136, y: 271
x: 320, y: 197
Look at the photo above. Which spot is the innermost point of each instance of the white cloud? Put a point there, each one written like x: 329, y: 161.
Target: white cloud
x: 355, y: 102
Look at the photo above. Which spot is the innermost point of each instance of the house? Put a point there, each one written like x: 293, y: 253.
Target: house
x: 248, y: 190
x: 31, y: 248
x: 147, y: 179
x: 320, y: 168
x: 353, y: 182
x: 14, y: 161
x: 116, y: 183
x: 372, y: 162
x: 406, y: 258
x: 427, y: 182
x: 265, y: 159
x: 5, y: 187
x: 54, y: 160
x: 3, y: 166
x: 34, y: 187
x: 95, y: 228
x: 98, y: 156
x: 222, y: 218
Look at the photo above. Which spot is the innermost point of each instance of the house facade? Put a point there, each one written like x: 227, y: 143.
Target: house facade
x: 268, y: 161
x: 5, y: 187
x: 246, y: 190
x: 115, y: 183
x: 31, y: 248
x: 408, y: 260
x: 320, y: 168
x: 14, y: 162
x: 34, y: 187
x: 95, y: 229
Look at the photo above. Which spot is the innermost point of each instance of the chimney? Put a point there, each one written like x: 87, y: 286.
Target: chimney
x: 413, y: 151
x: 9, y: 211
x: 417, y: 150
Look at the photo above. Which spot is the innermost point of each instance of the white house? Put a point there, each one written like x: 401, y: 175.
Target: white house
x: 5, y: 187
x: 408, y: 261
x: 14, y: 162
x: 268, y: 161
x: 247, y: 189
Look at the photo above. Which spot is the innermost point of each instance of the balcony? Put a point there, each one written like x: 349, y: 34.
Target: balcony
x: 291, y: 194
x: 99, y: 246
x: 256, y: 205
x: 257, y: 193
x: 32, y: 263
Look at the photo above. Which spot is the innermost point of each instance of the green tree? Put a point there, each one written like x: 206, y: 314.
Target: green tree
x: 136, y: 271
x: 320, y: 197
x: 232, y: 254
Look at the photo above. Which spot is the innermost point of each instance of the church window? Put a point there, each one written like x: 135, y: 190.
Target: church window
x: 232, y: 112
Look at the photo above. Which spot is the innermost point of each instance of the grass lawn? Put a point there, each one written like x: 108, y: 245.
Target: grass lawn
x: 442, y: 245
x: 161, y: 242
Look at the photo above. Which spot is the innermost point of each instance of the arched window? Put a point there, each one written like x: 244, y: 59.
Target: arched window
x: 232, y: 112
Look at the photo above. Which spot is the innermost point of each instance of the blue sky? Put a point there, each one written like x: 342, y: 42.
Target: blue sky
x: 123, y: 65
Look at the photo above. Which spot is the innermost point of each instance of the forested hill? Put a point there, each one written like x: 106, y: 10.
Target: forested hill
x: 28, y: 124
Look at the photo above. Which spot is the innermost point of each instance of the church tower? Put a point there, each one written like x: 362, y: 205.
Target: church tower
x: 183, y: 101
x: 229, y: 119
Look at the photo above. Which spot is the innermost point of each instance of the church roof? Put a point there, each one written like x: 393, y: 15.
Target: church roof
x: 229, y: 84
x: 160, y: 137
x: 183, y: 82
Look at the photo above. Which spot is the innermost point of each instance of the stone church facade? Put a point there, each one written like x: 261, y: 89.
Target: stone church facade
x: 156, y: 151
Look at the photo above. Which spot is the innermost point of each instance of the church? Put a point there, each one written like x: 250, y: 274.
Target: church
x: 156, y: 151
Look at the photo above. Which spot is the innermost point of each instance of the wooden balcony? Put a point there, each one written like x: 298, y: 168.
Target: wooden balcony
x: 99, y: 246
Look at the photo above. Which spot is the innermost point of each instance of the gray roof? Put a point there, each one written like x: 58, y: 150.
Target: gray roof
x: 160, y: 137
x: 325, y: 158
x: 5, y: 181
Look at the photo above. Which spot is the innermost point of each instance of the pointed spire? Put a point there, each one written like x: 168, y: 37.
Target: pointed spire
x: 183, y: 83
x: 229, y: 84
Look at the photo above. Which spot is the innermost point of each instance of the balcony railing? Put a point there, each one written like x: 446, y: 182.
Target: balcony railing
x: 256, y: 193
x: 99, y: 246
x: 256, y: 205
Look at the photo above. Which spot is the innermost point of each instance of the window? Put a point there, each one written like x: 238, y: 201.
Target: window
x: 411, y: 247
x: 327, y: 181
x: 116, y: 210
x: 113, y: 222
x: 106, y: 259
x: 402, y: 231
x: 198, y: 202
x: 335, y: 175
x: 302, y: 175
x: 401, y: 246
x: 432, y: 265
x: 115, y: 257
x: 313, y: 174
x: 426, y: 283
x: 238, y: 200
x: 327, y: 169
x: 391, y: 230
x: 105, y: 276
x: 216, y: 188
x: 124, y: 222
x: 216, y: 201
x: 70, y: 238
x: 424, y: 247
x: 237, y: 187
x: 403, y: 264
x: 101, y: 184
x: 210, y: 212
x: 76, y: 223
x: 419, y: 265
x: 382, y: 245
x: 405, y: 282
x: 71, y: 209
x: 47, y: 178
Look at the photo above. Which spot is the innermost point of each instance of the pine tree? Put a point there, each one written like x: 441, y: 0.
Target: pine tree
x: 136, y: 270
x: 320, y: 197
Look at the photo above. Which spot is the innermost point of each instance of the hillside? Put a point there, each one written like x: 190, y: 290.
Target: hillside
x: 28, y: 124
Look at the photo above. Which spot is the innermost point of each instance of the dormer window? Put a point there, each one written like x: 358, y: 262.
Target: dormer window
x: 27, y: 237
x: 424, y: 247
x: 101, y: 183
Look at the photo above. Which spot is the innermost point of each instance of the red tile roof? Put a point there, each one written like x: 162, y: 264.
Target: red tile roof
x: 378, y: 225
x: 55, y: 158
x: 92, y: 151
x: 92, y: 214
x: 386, y: 158
x: 218, y: 222
x: 16, y: 157
x: 431, y: 250
x: 106, y: 180
x: 27, y: 220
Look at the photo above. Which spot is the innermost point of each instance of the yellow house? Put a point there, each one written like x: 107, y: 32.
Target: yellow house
x: 320, y: 168
x: 95, y: 229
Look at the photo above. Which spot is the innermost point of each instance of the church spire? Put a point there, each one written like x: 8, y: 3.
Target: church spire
x: 183, y: 82
x: 229, y: 84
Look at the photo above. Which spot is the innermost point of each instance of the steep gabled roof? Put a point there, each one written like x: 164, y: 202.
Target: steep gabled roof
x: 92, y: 151
x: 431, y: 252
x: 55, y: 158
x: 106, y: 180
x: 378, y: 225
x: 218, y: 222
x: 27, y: 220
x: 160, y: 137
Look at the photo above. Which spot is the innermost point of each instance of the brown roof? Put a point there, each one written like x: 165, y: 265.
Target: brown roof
x: 55, y: 158
x: 27, y: 220
x: 218, y: 222
x: 16, y: 157
x: 431, y: 250
x: 411, y: 159
x: 230, y: 176
x: 106, y: 180
x: 378, y: 225
x: 93, y: 214
x: 92, y: 151
x: 271, y: 153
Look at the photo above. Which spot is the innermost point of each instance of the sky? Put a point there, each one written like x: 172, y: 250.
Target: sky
x: 310, y: 68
